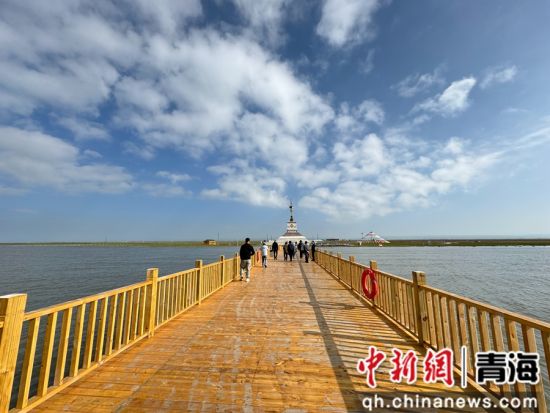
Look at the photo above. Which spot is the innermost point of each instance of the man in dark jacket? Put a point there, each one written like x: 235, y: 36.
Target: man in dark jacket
x: 275, y: 249
x: 291, y: 250
x: 313, y: 248
x: 246, y: 252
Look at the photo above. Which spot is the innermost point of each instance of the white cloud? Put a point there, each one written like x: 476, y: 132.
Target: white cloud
x: 172, y: 177
x: 350, y: 199
x: 35, y: 159
x: 356, y: 119
x: 377, y: 177
x: 311, y: 177
x: 197, y: 91
x: 513, y: 111
x: 498, y: 75
x: 84, y: 130
x: 66, y: 56
x: 165, y: 190
x: 418, y: 83
x: 200, y: 92
x: 10, y: 191
x: 361, y: 158
x: 142, y: 151
x: 454, y: 146
x: 265, y: 17
x: 254, y: 186
x: 88, y: 153
x: 371, y: 111
x: 452, y: 101
x: 263, y: 138
x: 367, y: 65
x: 169, y: 189
x: 209, y: 81
x: 141, y: 95
x: 167, y: 15
x: 346, y: 22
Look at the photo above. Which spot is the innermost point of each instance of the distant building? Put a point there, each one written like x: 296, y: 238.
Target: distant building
x: 291, y: 233
x: 209, y: 242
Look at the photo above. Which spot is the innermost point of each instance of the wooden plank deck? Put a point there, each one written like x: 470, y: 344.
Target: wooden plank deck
x: 287, y: 341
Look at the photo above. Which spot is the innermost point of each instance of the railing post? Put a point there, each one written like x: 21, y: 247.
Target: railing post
x: 351, y: 261
x: 236, y: 266
x: 12, y: 311
x: 222, y: 271
x: 151, y: 300
x: 198, y: 265
x: 338, y: 258
x: 374, y: 266
x: 419, y: 279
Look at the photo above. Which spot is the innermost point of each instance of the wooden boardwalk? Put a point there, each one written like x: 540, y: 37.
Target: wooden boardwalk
x: 287, y: 341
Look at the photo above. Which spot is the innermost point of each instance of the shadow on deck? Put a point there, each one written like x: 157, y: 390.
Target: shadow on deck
x: 289, y: 339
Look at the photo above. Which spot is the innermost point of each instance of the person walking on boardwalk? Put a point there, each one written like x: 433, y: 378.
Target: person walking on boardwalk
x: 285, y: 250
x: 275, y: 249
x: 291, y: 250
x: 305, y: 249
x: 300, y: 245
x: 265, y: 251
x: 313, y: 246
x: 246, y: 252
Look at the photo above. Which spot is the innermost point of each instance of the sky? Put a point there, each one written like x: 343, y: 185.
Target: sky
x: 189, y: 119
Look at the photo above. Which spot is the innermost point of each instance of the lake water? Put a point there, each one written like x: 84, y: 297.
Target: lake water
x: 515, y: 278
x: 51, y: 274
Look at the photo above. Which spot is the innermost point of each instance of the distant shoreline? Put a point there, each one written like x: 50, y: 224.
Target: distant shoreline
x: 333, y: 243
x: 523, y: 242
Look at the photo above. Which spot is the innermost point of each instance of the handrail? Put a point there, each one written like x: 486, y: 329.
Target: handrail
x: 79, y: 301
x: 176, y: 274
x: 519, y: 318
x: 440, y: 319
x: 82, y: 334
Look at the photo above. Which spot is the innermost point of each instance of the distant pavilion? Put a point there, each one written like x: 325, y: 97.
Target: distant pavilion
x: 291, y: 233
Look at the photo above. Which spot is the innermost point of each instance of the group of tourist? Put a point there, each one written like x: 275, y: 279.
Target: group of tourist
x: 290, y: 249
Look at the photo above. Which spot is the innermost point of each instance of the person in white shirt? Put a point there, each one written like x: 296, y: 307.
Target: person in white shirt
x: 265, y: 251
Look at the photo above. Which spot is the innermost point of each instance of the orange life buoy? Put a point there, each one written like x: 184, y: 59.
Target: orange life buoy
x: 370, y: 274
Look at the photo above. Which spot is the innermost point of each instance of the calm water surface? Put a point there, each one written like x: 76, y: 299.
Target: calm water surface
x: 514, y: 278
x: 51, y: 275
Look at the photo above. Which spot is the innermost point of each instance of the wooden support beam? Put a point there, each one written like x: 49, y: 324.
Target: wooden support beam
x: 222, y: 271
x: 198, y: 266
x: 151, y: 301
x: 12, y: 311
x: 419, y: 280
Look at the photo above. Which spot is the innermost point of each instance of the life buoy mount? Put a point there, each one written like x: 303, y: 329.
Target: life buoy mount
x: 369, y: 274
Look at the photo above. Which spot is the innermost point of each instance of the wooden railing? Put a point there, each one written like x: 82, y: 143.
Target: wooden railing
x: 439, y: 319
x: 43, y: 351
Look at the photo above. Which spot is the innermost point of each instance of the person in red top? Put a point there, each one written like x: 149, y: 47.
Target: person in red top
x: 246, y: 252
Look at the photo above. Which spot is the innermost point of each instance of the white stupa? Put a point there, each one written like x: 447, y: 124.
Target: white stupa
x: 291, y: 233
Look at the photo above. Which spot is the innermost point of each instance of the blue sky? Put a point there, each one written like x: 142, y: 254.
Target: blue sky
x: 166, y: 120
